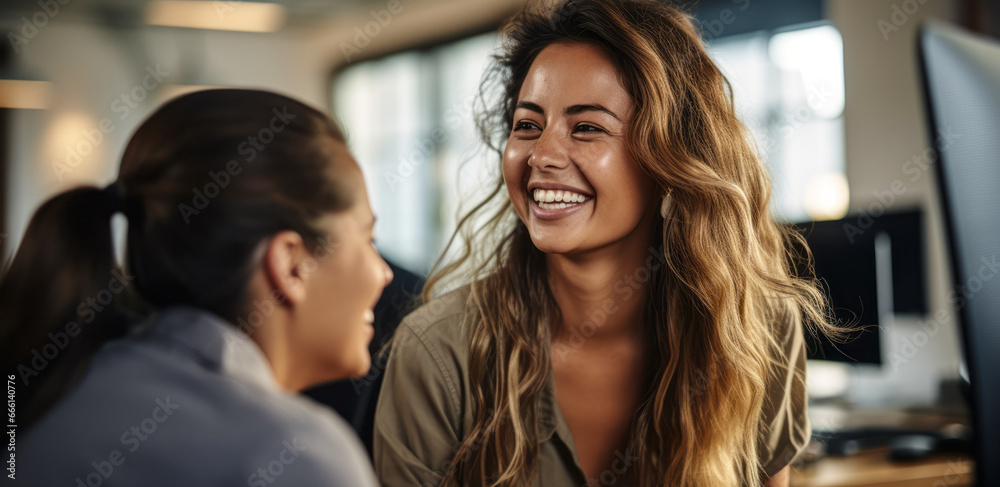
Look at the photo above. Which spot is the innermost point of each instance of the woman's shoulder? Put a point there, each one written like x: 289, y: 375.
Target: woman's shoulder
x: 786, y: 430
x: 424, y: 407
x: 312, y: 435
x: 133, y: 393
x: 445, y: 309
x: 439, y: 324
x: 785, y: 320
x: 429, y: 358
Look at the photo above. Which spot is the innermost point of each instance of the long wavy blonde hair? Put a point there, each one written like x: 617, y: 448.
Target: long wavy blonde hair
x: 712, y: 310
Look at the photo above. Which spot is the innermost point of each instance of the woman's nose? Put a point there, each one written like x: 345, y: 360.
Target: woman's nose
x: 549, y: 151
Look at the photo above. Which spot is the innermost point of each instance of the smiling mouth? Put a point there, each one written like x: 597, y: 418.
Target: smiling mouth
x: 548, y: 199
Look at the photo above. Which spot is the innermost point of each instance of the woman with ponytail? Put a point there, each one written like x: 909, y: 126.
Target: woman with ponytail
x: 248, y: 275
x: 629, y: 312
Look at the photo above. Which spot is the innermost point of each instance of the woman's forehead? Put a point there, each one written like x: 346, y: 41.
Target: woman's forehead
x: 565, y: 74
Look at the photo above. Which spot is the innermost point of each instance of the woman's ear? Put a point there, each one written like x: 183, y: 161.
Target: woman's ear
x: 284, y: 262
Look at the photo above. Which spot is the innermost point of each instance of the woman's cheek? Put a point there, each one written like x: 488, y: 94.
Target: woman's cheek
x: 514, y: 172
x: 513, y: 162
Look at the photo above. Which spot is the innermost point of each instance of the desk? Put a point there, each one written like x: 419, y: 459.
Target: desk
x: 871, y: 468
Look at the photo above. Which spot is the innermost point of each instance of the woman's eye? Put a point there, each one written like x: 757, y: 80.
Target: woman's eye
x: 587, y: 128
x: 519, y: 126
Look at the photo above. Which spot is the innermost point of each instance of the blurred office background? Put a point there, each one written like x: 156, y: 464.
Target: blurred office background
x: 829, y: 88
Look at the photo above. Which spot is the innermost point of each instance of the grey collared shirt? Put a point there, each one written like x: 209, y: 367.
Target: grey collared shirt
x: 187, y: 400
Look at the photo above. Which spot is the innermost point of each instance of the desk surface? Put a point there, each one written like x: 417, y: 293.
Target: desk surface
x: 872, y: 468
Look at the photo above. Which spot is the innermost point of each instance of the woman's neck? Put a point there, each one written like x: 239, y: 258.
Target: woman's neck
x: 601, y: 293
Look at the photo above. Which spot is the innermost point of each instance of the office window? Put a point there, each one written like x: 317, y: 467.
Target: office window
x: 789, y: 89
x: 409, y: 122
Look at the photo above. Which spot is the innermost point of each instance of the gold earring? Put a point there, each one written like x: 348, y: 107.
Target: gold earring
x: 665, y: 205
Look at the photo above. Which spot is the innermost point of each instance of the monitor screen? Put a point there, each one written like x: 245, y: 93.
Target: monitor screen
x: 868, y: 266
x: 961, y: 74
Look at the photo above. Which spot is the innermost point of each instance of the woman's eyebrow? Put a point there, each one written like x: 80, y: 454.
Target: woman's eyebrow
x: 572, y: 110
x: 575, y: 109
x: 527, y: 105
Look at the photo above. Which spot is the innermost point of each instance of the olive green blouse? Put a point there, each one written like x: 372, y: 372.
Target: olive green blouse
x: 425, y: 407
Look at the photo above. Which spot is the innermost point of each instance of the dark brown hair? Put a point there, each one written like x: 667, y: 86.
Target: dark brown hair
x: 203, y: 182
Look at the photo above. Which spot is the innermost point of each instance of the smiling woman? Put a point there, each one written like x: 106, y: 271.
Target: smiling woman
x: 639, y: 322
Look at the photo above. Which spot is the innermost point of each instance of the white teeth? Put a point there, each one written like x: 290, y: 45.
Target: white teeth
x: 554, y: 199
x: 555, y: 206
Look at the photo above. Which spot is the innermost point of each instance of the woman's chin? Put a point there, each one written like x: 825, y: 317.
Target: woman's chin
x: 363, y: 366
x: 552, y: 244
x: 356, y: 368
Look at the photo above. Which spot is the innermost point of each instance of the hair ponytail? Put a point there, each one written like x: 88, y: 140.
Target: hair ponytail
x: 56, y: 302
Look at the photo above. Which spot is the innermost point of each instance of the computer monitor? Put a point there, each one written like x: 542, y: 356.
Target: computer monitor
x: 869, y: 266
x: 961, y: 81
